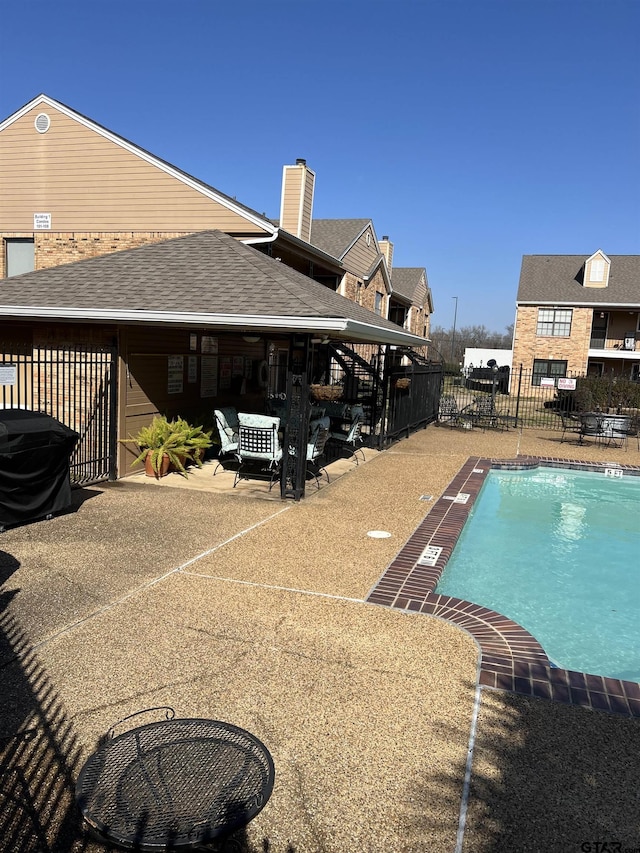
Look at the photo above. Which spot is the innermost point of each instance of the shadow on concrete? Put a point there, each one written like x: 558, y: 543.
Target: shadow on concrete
x: 545, y: 776
x: 38, y: 748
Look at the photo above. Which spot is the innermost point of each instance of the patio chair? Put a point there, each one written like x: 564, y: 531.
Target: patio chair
x: 259, y: 452
x: 570, y: 426
x: 351, y: 440
x: 591, y: 425
x: 450, y: 412
x: 228, y: 425
x: 483, y: 413
x: 633, y: 431
x: 319, y: 435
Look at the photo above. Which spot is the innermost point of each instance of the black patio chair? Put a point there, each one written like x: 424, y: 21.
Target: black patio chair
x: 570, y: 426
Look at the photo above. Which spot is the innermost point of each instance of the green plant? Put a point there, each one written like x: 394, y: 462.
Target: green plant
x: 176, y: 439
x: 195, y: 438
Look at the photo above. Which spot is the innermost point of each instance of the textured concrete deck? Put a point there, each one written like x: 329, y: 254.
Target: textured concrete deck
x: 234, y: 605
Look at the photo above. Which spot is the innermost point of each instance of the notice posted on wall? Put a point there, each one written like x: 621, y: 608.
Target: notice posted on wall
x: 175, y: 374
x: 192, y: 369
x: 209, y: 345
x: 209, y: 376
x: 8, y: 374
x: 225, y: 372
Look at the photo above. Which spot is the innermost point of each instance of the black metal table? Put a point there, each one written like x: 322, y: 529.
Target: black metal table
x: 177, y: 784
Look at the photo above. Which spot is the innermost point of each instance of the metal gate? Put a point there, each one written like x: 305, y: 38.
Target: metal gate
x: 77, y: 386
x: 413, y: 399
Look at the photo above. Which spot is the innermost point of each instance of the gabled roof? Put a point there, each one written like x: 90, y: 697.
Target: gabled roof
x: 337, y: 236
x: 207, y: 279
x: 410, y: 283
x: 557, y: 280
x: 206, y: 190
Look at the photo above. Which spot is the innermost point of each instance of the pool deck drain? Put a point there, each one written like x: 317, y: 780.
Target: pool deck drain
x: 511, y: 658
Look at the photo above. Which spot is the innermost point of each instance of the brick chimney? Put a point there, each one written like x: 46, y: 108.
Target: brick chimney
x: 296, y: 204
x: 386, y: 247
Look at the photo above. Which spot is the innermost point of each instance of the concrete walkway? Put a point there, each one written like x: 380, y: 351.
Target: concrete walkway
x: 234, y: 605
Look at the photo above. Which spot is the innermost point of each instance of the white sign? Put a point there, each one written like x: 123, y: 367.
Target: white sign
x: 8, y: 374
x: 192, y: 369
x: 567, y: 384
x: 547, y: 382
x: 209, y: 344
x: 41, y: 221
x: 175, y: 374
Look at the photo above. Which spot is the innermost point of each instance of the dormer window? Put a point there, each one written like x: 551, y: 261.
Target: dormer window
x: 596, y: 270
x: 596, y: 273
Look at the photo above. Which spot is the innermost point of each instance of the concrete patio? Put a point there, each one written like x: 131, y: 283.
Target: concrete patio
x: 231, y: 604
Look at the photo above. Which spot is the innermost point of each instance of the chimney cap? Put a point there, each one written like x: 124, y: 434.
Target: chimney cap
x: 301, y: 162
x: 385, y: 237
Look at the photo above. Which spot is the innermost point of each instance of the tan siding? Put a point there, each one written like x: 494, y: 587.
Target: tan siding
x: 88, y: 183
x: 360, y: 257
x: 307, y: 206
x: 291, y: 193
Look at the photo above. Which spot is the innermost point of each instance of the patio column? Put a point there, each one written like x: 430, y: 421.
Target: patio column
x: 294, y: 450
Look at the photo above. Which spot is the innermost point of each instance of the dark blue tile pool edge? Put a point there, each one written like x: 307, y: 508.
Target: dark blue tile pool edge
x: 511, y: 659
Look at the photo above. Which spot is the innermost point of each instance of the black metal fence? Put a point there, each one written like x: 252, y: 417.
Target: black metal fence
x: 77, y: 386
x: 535, y: 401
x: 412, y: 399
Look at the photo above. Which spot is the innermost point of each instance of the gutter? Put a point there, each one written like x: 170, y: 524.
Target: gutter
x: 338, y: 326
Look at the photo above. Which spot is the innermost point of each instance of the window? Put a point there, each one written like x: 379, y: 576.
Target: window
x: 20, y: 255
x: 553, y: 322
x: 545, y: 367
x: 378, y: 303
x: 597, y: 270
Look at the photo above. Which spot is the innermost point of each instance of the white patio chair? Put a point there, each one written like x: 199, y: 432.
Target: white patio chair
x: 259, y: 451
x: 228, y: 425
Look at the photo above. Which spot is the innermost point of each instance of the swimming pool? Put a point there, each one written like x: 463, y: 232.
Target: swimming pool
x: 556, y: 550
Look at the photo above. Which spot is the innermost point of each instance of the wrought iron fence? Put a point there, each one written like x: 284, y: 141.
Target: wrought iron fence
x: 532, y: 400
x: 77, y: 386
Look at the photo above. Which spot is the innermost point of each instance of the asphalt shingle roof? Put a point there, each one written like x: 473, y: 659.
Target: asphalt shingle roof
x: 408, y: 283
x: 208, y: 272
x: 334, y: 236
x: 558, y: 279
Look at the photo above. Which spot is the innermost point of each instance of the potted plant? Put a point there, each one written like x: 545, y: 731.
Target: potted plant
x: 166, y: 444
x: 195, y: 439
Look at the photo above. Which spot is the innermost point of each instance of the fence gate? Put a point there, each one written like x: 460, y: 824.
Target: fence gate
x: 76, y: 385
x: 413, y: 399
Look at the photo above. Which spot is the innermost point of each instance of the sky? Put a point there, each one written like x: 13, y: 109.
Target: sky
x: 471, y: 132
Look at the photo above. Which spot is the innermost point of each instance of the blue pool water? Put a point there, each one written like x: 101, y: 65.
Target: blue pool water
x: 558, y: 551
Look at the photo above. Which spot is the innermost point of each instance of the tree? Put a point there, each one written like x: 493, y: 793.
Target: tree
x: 451, y: 350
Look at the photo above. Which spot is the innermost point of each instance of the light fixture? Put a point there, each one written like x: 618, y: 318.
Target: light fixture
x: 324, y: 340
x: 251, y: 339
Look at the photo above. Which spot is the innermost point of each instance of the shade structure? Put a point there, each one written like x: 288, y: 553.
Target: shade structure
x: 35, y: 450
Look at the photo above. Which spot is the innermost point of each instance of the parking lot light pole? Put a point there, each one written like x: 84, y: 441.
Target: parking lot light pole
x: 453, y: 333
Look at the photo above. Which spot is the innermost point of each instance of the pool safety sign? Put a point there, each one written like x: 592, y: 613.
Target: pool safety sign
x: 8, y: 374
x: 565, y: 384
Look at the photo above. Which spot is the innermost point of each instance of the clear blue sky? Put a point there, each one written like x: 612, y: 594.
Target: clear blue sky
x: 470, y: 131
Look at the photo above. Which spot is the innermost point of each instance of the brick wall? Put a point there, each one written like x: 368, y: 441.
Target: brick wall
x: 527, y: 346
x: 53, y: 248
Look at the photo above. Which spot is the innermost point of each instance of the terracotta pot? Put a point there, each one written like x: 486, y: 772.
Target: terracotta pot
x: 164, y: 468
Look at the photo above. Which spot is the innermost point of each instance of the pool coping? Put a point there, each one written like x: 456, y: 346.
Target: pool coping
x: 511, y: 658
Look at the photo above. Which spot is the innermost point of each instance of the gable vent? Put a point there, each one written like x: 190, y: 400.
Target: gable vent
x: 42, y: 123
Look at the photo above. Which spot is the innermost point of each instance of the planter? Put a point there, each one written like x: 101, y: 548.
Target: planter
x: 326, y: 392
x: 150, y: 471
